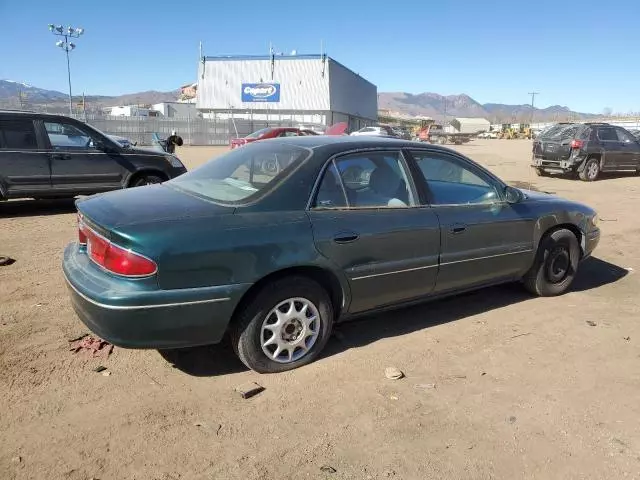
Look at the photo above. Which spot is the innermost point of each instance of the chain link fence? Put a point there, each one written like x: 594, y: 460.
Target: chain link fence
x: 194, y: 130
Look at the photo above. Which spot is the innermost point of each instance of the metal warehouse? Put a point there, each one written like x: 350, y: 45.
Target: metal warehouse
x: 297, y: 88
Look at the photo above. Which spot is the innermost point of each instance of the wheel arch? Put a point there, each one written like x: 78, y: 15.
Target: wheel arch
x: 144, y: 171
x: 573, y: 228
x: 324, y: 277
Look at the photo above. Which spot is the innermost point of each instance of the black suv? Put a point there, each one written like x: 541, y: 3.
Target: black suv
x: 586, y: 149
x: 53, y: 156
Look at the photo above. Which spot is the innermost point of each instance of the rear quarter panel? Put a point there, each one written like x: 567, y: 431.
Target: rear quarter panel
x: 226, y: 249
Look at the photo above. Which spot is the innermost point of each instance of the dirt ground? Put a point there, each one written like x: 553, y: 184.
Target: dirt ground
x: 523, y: 387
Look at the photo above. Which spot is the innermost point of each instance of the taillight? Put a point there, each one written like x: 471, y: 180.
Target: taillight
x: 577, y: 143
x: 116, y: 259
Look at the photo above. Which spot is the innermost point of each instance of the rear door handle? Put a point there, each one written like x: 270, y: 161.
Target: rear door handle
x: 457, y: 228
x: 346, y: 237
x: 60, y: 156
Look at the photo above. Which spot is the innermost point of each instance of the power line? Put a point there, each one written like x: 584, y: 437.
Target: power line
x: 533, y: 97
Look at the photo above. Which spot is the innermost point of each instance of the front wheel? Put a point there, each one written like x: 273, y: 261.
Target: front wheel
x: 591, y: 170
x: 286, y: 325
x: 146, y: 180
x: 540, y: 172
x: 555, y: 265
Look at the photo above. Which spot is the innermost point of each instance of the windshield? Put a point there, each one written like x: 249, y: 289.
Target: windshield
x: 244, y: 174
x: 259, y: 133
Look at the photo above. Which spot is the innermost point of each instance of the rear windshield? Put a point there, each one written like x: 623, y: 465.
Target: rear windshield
x: 243, y: 174
x: 560, y: 132
x: 258, y: 133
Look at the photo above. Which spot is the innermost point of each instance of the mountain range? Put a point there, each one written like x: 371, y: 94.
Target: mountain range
x: 440, y: 107
x: 400, y: 104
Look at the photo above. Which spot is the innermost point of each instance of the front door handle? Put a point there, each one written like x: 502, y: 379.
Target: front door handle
x: 346, y: 237
x: 457, y: 228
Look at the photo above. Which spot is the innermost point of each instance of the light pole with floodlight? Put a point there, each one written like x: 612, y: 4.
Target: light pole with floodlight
x: 67, y: 46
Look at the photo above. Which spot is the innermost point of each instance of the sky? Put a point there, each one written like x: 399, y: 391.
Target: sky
x: 584, y: 54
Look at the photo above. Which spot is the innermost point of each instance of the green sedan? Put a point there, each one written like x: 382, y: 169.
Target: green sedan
x: 273, y: 243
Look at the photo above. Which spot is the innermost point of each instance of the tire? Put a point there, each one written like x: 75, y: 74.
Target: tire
x: 555, y: 265
x: 591, y: 170
x: 540, y: 172
x: 256, y: 323
x: 442, y: 140
x: 146, y: 180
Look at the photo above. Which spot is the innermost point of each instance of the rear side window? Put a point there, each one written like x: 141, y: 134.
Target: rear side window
x: 607, y: 134
x: 18, y: 135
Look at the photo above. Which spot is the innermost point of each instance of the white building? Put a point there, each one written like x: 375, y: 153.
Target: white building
x: 130, y: 111
x: 300, y: 88
x: 470, y: 125
x: 176, y: 109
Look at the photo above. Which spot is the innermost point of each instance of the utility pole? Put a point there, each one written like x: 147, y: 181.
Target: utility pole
x: 533, y: 97
x: 67, y: 46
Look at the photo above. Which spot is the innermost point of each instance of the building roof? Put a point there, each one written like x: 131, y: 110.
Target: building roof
x: 277, y: 57
x: 471, y: 119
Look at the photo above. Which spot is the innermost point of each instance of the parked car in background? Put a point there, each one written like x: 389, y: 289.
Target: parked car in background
x: 278, y: 132
x: 275, y: 242
x: 377, y: 131
x: 586, y: 150
x: 401, y: 132
x: 44, y: 155
x: 488, y: 135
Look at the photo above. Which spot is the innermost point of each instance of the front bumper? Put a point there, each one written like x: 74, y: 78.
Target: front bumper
x: 136, y: 314
x: 590, y: 242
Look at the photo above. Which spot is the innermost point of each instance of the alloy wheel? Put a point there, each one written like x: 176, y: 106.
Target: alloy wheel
x: 289, y: 330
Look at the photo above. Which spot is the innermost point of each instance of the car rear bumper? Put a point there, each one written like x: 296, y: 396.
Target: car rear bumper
x: 564, y: 165
x: 132, y: 315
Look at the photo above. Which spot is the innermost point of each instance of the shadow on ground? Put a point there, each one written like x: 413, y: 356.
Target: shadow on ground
x: 33, y: 208
x: 221, y: 360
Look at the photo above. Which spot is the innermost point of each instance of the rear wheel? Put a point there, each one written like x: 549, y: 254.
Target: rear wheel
x: 591, y: 170
x: 286, y: 325
x: 146, y: 180
x: 555, y: 265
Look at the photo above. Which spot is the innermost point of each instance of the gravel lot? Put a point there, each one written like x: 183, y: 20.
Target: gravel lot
x: 524, y: 387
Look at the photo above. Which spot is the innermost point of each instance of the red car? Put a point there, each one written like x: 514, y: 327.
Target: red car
x: 273, y: 132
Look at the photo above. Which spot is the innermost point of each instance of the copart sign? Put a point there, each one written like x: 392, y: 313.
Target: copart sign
x: 260, y: 92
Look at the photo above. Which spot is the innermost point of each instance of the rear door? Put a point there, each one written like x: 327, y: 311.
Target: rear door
x: 76, y: 164
x: 611, y: 148
x: 483, y: 238
x: 24, y: 165
x: 629, y: 150
x: 368, y: 223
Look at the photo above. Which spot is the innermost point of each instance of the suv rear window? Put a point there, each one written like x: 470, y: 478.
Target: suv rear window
x: 562, y: 131
x: 18, y: 135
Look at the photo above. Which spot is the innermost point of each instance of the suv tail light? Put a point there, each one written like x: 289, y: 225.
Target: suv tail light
x: 577, y: 143
x: 113, y: 258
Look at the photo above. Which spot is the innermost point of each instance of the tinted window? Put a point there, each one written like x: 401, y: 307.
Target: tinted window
x: 243, y: 174
x: 560, y: 131
x: 65, y: 136
x: 624, y: 136
x: 450, y: 182
x: 331, y: 194
x: 374, y: 180
x: 289, y: 133
x: 607, y: 134
x: 18, y: 135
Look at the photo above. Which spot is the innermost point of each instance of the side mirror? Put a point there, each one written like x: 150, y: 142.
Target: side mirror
x: 512, y: 195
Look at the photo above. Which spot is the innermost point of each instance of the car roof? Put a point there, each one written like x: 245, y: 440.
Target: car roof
x: 332, y: 144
